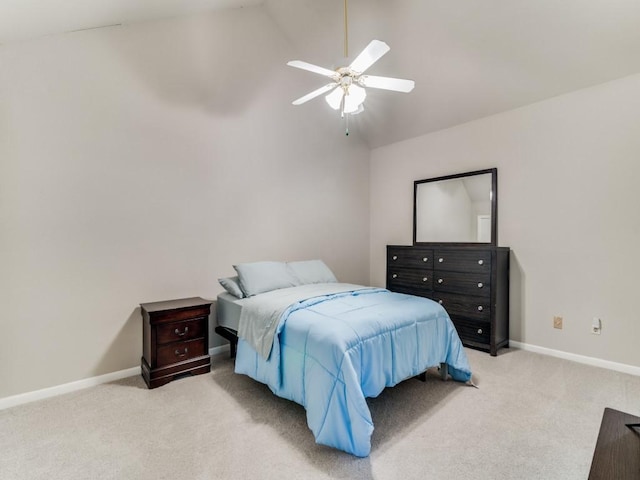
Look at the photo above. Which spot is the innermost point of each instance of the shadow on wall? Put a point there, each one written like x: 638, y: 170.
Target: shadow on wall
x: 125, y: 349
x: 516, y: 298
x: 217, y: 62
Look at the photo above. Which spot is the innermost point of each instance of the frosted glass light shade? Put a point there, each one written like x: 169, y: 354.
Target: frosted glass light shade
x: 334, y: 99
x: 354, y: 98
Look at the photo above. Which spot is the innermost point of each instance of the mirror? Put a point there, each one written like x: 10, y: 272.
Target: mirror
x: 459, y: 208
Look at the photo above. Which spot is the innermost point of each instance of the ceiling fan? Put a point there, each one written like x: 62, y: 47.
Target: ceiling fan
x: 347, y: 88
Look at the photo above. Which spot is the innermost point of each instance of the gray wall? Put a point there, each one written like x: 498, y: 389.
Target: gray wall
x: 568, y: 176
x: 138, y: 164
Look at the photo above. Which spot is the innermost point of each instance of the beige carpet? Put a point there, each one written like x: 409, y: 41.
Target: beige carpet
x: 532, y: 417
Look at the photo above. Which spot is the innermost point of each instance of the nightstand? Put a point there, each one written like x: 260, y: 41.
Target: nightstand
x: 175, y: 339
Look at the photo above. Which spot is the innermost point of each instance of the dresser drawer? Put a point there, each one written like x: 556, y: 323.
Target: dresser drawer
x: 413, y: 279
x: 476, y: 308
x: 476, y: 284
x: 180, y: 351
x: 468, y: 261
x: 413, y: 257
x: 470, y: 332
x: 180, y: 331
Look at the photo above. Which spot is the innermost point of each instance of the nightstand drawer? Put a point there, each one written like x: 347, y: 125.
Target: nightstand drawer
x: 180, y: 331
x: 179, y: 314
x: 179, y: 352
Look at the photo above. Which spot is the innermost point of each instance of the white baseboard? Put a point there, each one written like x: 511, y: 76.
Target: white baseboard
x: 594, y: 362
x: 220, y: 349
x: 23, y: 398
x: 66, y: 388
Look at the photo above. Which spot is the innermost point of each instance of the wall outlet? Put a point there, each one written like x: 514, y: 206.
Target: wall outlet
x: 596, y: 326
x: 557, y: 322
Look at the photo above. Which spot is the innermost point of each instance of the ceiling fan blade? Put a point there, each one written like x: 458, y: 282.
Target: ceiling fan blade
x: 315, y: 93
x: 387, y: 83
x: 312, y: 68
x: 370, y: 55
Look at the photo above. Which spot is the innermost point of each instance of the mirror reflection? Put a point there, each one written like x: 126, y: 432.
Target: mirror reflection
x: 456, y: 208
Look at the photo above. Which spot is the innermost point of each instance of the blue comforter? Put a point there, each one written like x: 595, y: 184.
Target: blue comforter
x: 332, y: 352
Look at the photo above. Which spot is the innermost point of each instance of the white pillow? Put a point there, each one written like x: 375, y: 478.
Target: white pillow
x: 312, y: 271
x: 232, y: 285
x: 260, y: 277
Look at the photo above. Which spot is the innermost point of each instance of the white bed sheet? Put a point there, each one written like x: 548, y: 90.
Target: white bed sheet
x: 228, y: 310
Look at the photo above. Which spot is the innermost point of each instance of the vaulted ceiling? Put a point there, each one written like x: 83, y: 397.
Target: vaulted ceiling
x: 469, y: 58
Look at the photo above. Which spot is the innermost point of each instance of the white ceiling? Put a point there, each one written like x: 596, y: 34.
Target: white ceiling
x: 469, y: 58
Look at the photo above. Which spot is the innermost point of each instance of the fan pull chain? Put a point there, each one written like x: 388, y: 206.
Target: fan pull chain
x: 345, y: 116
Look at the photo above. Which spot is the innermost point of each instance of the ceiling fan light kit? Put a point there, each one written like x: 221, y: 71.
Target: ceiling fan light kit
x: 346, y: 92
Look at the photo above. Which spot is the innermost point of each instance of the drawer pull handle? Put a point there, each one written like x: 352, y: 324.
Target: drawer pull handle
x: 395, y: 257
x: 424, y: 279
x: 441, y: 260
x: 480, y: 285
x: 183, y: 354
x: 479, y: 331
x: 425, y: 259
x: 480, y: 308
x: 395, y: 275
x: 440, y: 302
x: 480, y: 262
x: 183, y: 333
x: 440, y: 280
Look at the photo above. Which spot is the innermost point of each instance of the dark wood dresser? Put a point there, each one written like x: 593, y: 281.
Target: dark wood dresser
x: 471, y: 283
x: 175, y: 339
x: 617, y: 452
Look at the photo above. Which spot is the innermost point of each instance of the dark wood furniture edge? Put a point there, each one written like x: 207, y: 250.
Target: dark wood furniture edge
x: 494, y: 206
x: 161, y: 376
x: 499, y: 300
x: 160, y: 314
x: 617, y: 452
x: 231, y: 335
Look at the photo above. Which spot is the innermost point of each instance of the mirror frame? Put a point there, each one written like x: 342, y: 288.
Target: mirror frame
x: 494, y: 206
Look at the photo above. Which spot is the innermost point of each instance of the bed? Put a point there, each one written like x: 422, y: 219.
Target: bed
x: 329, y: 346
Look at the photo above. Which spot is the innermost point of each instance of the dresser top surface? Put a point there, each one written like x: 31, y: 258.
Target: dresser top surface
x: 444, y: 246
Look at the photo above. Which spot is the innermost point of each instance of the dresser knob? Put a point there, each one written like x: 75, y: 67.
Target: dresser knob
x: 425, y: 259
x: 480, y: 285
x: 395, y: 257
x: 479, y: 331
x: 181, y: 334
x: 480, y: 262
x: 424, y: 279
x: 183, y: 354
x: 480, y: 308
x: 440, y: 280
x: 440, y: 302
x: 441, y: 260
x: 395, y: 275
